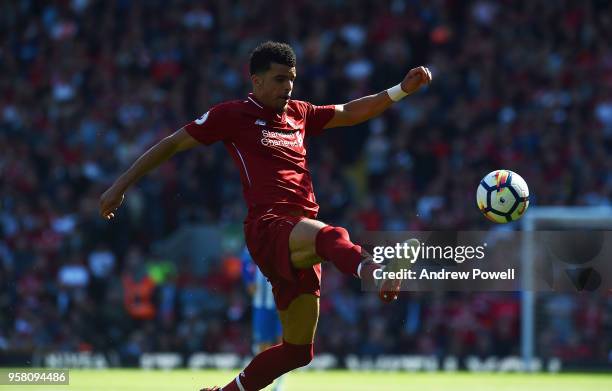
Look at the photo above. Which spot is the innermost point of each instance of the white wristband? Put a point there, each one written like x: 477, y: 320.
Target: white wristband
x: 396, y: 93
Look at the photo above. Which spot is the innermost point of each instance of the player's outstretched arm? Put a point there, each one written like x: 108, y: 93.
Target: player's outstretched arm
x: 156, y: 155
x: 362, y: 109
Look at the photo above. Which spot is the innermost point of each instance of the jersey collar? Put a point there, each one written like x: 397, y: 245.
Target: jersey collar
x: 269, y: 113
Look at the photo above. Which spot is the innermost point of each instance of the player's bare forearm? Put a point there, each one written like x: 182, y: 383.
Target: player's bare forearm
x: 112, y: 198
x: 363, y: 109
x: 148, y: 161
x: 156, y: 155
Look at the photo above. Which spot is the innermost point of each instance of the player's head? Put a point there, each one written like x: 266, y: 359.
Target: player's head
x: 272, y: 67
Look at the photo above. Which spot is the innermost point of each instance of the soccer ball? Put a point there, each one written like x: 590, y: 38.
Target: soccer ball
x: 502, y: 196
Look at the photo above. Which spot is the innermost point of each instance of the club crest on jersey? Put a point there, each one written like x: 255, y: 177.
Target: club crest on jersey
x: 260, y: 122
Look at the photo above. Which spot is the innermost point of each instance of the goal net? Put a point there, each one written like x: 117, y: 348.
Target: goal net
x: 561, y: 323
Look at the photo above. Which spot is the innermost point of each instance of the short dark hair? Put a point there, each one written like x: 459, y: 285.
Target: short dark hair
x: 269, y: 52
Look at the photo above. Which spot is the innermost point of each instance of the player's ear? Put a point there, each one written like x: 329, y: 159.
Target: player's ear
x: 257, y: 80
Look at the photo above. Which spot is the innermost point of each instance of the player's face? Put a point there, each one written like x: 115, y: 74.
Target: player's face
x: 273, y: 88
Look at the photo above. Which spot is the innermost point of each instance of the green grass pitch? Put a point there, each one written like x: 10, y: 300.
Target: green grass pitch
x: 143, y: 380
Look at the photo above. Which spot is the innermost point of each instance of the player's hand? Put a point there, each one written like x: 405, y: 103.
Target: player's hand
x: 416, y: 78
x: 110, y: 201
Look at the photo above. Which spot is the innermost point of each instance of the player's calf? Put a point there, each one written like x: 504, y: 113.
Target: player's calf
x: 271, y: 364
x: 333, y: 244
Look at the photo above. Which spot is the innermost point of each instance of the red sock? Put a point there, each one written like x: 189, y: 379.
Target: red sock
x: 334, y: 245
x: 271, y: 364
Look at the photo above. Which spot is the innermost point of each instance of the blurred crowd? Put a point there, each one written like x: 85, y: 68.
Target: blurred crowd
x: 86, y: 86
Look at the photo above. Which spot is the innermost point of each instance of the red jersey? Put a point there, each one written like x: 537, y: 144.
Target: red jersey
x: 268, y: 149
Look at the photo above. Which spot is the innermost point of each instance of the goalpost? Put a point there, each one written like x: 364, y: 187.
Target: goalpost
x: 554, y: 218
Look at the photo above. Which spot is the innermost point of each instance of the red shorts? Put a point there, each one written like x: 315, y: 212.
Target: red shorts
x: 267, y: 238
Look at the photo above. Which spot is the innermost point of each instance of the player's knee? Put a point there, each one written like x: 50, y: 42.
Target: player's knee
x: 332, y: 234
x: 306, y: 359
x: 343, y: 233
x: 301, y: 355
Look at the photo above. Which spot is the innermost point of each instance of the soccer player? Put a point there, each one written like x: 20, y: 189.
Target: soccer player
x: 267, y: 329
x: 264, y: 134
